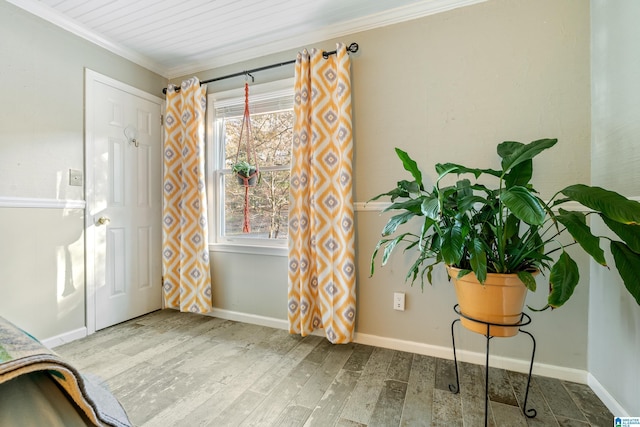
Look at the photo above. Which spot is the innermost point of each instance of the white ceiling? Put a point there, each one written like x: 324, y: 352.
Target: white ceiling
x: 178, y: 37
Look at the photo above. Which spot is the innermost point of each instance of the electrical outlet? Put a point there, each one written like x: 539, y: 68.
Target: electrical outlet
x: 398, y: 301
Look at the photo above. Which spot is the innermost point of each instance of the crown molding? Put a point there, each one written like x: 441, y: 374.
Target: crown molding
x: 51, y: 15
x: 250, y: 51
x: 342, y: 29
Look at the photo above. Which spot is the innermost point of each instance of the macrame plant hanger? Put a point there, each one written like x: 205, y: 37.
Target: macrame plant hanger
x: 252, y: 159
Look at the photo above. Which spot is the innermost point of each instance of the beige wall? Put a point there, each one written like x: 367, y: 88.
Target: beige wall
x: 42, y: 265
x: 448, y: 88
x: 614, y: 323
x: 41, y: 138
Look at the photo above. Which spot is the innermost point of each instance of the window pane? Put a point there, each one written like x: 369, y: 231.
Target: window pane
x: 272, y: 135
x: 268, y: 206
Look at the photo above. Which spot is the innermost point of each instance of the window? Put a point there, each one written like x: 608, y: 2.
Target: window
x: 271, y: 108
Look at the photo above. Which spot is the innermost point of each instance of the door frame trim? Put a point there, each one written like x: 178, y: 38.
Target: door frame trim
x: 90, y: 78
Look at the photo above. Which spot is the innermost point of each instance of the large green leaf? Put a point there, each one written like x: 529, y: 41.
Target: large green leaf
x: 375, y: 254
x: 525, y: 152
x: 478, y: 259
x: 452, y: 245
x: 409, y: 187
x: 610, y: 203
x: 384, y: 243
x: 628, y: 265
x: 630, y: 233
x: 426, y: 226
x: 563, y: 278
x: 410, y: 165
x: 412, y: 205
x: 467, y: 202
x: 523, y: 204
x: 576, y: 224
x: 396, y: 221
x: 520, y: 174
x: 443, y: 169
x: 528, y: 280
x: 507, y: 148
x: 394, y: 194
x: 430, y: 207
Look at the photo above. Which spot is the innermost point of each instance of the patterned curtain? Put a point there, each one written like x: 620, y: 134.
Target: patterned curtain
x: 321, y: 230
x: 185, y: 252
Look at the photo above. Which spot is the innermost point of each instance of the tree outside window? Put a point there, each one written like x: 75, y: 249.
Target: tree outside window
x: 269, y: 199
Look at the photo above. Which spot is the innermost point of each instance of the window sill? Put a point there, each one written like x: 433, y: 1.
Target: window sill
x: 249, y: 249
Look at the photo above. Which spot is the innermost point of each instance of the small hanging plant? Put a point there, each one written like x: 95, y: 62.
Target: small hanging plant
x: 246, y: 173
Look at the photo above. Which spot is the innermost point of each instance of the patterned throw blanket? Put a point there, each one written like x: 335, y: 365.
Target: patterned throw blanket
x: 21, y: 354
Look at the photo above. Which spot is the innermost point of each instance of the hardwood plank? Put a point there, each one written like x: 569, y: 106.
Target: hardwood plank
x: 280, y: 342
x: 348, y: 423
x: 507, y: 415
x: 362, y: 402
x: 153, y: 390
x: 283, y: 394
x: 315, y: 388
x: 328, y: 409
x: 238, y: 410
x: 288, y: 362
x: 447, y: 409
x: 419, y: 398
x: 293, y: 416
x: 388, y: 409
x: 400, y: 366
x: 472, y: 395
x: 185, y: 406
x: 320, y: 352
x: 558, y: 398
x: 359, y: 358
x: 536, y: 400
x: 500, y: 388
x: 594, y: 410
x: 445, y: 374
x: 568, y: 422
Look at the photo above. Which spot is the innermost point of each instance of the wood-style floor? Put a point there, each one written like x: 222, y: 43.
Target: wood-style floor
x: 180, y: 369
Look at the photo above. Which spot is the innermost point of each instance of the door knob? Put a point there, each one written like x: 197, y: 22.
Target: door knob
x: 103, y: 220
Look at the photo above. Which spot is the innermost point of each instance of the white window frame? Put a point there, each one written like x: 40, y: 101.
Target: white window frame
x: 215, y: 156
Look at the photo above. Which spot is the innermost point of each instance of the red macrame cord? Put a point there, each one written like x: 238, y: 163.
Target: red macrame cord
x: 246, y: 122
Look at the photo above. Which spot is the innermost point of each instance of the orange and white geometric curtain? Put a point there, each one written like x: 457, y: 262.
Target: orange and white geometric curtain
x: 322, y: 281
x: 185, y: 252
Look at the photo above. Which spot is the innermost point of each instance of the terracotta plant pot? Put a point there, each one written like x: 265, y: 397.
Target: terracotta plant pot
x: 248, y: 181
x: 499, y: 300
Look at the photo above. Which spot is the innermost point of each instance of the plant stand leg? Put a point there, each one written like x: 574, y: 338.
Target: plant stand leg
x: 454, y: 388
x: 529, y: 413
x: 486, y: 378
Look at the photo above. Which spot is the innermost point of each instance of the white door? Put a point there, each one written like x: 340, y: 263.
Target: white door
x: 123, y: 201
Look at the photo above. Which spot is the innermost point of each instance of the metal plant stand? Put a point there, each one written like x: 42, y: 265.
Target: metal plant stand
x: 524, y: 320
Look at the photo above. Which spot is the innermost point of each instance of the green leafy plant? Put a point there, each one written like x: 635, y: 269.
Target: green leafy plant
x: 243, y: 168
x: 509, y: 228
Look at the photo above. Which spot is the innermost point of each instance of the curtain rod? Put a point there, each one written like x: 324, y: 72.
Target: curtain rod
x: 352, y: 48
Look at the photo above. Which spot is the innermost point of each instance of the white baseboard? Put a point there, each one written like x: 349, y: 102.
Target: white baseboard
x: 64, y: 338
x: 254, y: 319
x: 511, y: 364
x: 517, y: 365
x: 610, y: 402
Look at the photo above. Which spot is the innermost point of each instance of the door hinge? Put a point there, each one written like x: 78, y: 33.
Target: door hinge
x: 161, y: 120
